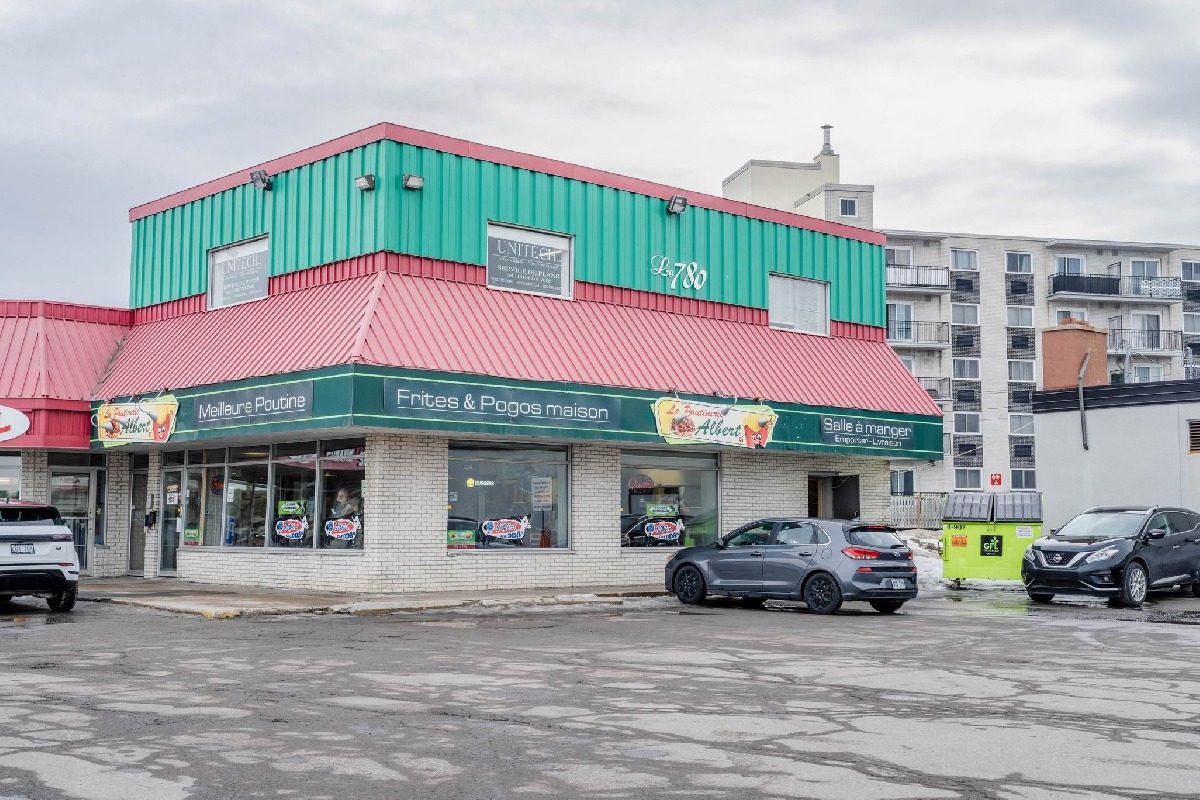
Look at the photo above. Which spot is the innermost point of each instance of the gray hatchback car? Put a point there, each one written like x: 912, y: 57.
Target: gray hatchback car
x: 822, y: 562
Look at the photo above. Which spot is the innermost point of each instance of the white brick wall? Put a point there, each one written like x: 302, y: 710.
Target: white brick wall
x: 112, y: 558
x: 35, y: 476
x: 405, y: 525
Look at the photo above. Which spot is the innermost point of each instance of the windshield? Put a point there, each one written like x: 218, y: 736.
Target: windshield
x: 874, y: 537
x: 1103, y: 525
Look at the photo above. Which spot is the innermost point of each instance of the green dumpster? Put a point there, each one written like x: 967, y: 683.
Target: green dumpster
x: 985, y: 536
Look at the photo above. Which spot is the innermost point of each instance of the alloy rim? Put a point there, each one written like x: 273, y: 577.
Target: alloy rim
x: 1137, y: 584
x: 687, y: 583
x: 821, y: 591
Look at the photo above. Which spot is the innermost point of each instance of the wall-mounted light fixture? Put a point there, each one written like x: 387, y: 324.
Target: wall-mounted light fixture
x: 414, y: 182
x: 677, y: 204
x: 365, y: 182
x: 261, y: 180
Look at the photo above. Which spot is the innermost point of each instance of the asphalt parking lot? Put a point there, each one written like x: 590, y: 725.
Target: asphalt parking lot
x: 962, y: 695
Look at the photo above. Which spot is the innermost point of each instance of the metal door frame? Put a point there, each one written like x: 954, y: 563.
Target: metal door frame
x: 141, y: 570
x: 162, y: 521
x: 89, y: 540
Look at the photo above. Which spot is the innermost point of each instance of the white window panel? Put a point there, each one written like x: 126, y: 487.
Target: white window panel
x: 848, y: 207
x: 968, y: 479
x: 1021, y: 371
x: 1064, y: 314
x: 966, y: 422
x: 1020, y: 317
x: 1191, y: 270
x: 964, y: 314
x: 1020, y: 424
x: 1069, y: 265
x: 798, y: 304
x: 966, y: 369
x: 1024, y: 480
x: 1191, y: 323
x: 1018, y: 262
x: 964, y: 259
x: 898, y: 256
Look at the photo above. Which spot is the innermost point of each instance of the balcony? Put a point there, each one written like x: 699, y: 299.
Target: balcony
x: 921, y: 280
x: 938, y: 388
x: 1161, y: 343
x: 908, y: 335
x: 1116, y: 288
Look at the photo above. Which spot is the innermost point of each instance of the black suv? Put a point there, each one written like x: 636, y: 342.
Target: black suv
x: 1119, y: 552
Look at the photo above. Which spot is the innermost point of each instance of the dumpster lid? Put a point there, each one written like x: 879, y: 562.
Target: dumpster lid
x: 968, y: 507
x: 1018, y: 507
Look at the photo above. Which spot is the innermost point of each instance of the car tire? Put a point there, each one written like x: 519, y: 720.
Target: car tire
x: 689, y: 586
x: 754, y: 602
x: 1195, y: 590
x: 823, y: 594
x: 6, y: 598
x: 1134, y: 585
x: 886, y: 606
x: 64, y: 600
x: 1039, y: 597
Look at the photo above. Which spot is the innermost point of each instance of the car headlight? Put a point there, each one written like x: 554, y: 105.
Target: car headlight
x: 1102, y: 555
x: 1029, y: 554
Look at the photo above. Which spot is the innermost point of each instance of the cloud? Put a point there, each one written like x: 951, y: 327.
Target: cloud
x: 1056, y: 118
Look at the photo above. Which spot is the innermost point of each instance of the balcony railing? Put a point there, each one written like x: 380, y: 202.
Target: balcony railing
x: 1139, y: 341
x: 905, y: 277
x: 918, y: 333
x: 938, y: 388
x: 1134, y: 286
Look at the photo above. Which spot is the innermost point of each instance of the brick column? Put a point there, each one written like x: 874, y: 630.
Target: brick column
x: 112, y: 558
x: 755, y: 484
x: 596, y: 501
x: 35, y: 476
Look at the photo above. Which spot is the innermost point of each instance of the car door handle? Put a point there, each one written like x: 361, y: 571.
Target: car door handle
x: 805, y: 553
x: 757, y: 553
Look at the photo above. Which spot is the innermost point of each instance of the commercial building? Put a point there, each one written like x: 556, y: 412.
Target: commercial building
x: 964, y: 312
x: 399, y: 361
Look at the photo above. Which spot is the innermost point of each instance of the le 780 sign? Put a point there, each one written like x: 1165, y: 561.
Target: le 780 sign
x: 681, y: 274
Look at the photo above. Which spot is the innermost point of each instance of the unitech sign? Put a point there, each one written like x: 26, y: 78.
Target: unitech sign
x: 242, y: 406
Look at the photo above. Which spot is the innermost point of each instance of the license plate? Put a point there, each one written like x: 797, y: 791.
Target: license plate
x: 21, y: 549
x: 899, y: 583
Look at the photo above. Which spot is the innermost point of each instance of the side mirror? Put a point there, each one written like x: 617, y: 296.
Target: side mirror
x: 1156, y: 533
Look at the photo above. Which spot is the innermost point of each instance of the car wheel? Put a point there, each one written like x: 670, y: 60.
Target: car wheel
x: 64, y: 600
x: 1133, y: 586
x: 823, y: 594
x: 1038, y: 597
x: 886, y: 606
x: 689, y: 586
x: 754, y: 602
x: 1195, y: 590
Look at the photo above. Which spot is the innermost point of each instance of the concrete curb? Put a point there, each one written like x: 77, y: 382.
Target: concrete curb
x: 203, y: 607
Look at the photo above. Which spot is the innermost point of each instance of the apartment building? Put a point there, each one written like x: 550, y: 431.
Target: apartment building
x: 964, y: 313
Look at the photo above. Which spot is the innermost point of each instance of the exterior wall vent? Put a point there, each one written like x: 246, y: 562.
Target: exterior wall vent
x: 1194, y: 435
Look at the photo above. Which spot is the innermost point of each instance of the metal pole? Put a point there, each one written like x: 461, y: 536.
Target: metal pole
x: 1082, y: 413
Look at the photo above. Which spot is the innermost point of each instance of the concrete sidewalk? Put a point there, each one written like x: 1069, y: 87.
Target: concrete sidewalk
x: 224, y: 602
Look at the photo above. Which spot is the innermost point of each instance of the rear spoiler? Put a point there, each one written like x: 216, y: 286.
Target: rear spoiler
x: 867, y: 526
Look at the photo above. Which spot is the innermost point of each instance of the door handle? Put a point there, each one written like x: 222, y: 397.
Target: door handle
x: 805, y: 553
x: 757, y: 553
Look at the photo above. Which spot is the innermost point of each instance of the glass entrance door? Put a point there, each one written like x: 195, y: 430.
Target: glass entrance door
x: 137, y: 524
x: 172, y: 519
x: 72, y: 493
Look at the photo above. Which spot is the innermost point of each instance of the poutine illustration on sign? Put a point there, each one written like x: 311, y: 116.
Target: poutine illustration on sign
x: 664, y: 530
x: 342, y: 529
x: 291, y: 528
x: 137, y: 421
x: 689, y: 422
x: 505, y: 529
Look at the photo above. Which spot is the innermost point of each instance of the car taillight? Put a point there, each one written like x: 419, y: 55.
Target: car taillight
x: 61, y: 537
x: 861, y: 553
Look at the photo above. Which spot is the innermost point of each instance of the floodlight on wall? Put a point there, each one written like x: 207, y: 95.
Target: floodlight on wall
x: 414, y: 182
x: 365, y: 182
x: 677, y: 204
x: 261, y: 180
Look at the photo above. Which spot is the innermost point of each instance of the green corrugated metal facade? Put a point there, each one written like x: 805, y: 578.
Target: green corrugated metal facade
x: 316, y: 216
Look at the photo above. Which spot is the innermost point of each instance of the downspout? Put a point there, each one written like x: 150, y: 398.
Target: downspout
x: 1079, y: 384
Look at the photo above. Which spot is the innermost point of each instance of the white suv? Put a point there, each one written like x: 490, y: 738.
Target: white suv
x: 37, y: 554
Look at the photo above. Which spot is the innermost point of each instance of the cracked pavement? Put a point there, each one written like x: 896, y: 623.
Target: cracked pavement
x: 962, y: 695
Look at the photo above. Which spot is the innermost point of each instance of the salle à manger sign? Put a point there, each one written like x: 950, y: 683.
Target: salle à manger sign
x: 865, y: 432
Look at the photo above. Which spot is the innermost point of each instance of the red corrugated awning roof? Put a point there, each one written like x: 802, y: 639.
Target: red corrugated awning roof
x: 397, y: 320
x: 56, y: 351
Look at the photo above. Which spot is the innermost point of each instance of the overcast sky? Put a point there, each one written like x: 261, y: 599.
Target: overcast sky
x: 1075, y: 119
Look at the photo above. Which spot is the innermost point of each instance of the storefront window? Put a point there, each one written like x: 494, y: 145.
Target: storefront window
x: 343, y: 478
x: 246, y: 505
x: 506, y: 498
x: 668, y: 500
x: 10, y: 475
x: 293, y: 510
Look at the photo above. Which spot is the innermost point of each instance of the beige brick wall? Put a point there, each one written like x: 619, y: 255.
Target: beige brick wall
x: 112, y: 558
x: 35, y: 476
x: 405, y: 518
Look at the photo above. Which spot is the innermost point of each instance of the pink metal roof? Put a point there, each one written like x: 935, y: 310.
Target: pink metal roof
x: 462, y: 147
x: 56, y: 350
x: 420, y: 323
